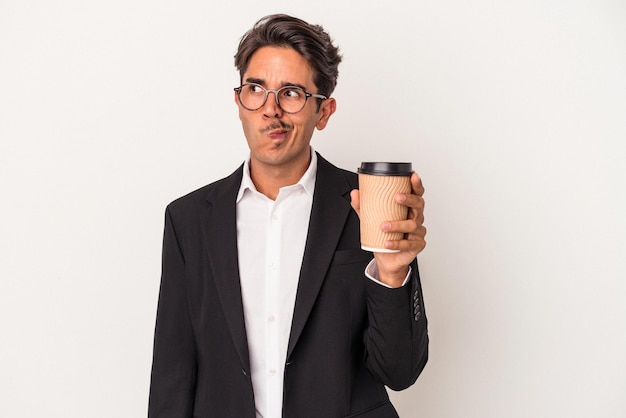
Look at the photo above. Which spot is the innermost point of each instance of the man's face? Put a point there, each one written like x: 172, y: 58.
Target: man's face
x: 279, y: 140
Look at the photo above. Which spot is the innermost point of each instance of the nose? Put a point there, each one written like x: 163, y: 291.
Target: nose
x: 271, y: 108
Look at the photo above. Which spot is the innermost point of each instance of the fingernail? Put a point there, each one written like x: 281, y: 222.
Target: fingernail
x: 400, y: 198
x: 386, y: 226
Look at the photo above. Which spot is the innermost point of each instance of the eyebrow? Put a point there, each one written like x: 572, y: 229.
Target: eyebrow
x: 284, y: 84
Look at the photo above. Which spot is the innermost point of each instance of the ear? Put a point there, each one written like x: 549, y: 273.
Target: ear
x: 238, y: 106
x: 327, y: 108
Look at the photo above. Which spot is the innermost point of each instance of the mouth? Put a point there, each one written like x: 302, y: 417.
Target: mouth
x: 278, y: 134
x: 277, y: 131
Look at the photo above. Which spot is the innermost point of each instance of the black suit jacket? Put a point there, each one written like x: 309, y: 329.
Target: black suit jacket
x: 349, y: 338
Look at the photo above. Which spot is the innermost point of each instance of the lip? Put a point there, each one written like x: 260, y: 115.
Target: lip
x: 278, y: 134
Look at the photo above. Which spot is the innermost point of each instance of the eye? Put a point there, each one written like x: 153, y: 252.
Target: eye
x: 255, y: 89
x: 292, y: 93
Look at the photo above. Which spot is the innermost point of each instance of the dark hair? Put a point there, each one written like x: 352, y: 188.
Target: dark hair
x: 310, y: 41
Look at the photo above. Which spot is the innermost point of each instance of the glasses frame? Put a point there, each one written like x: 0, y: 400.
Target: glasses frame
x: 276, y: 92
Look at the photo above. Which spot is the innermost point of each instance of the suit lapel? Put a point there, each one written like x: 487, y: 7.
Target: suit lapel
x: 219, y: 226
x: 328, y: 216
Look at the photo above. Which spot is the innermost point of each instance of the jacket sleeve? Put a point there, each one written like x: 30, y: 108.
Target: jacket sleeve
x: 173, y: 380
x: 396, y: 339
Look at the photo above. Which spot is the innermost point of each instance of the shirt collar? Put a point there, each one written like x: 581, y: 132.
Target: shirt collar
x: 307, y: 181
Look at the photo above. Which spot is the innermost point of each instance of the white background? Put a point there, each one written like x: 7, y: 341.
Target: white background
x: 513, y: 112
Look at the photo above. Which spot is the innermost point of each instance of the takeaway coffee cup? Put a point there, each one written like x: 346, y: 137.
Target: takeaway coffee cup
x: 379, y: 182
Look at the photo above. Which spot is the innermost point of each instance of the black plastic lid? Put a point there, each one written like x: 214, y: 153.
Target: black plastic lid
x: 386, y: 169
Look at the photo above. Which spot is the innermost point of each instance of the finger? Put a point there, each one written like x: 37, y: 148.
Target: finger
x: 355, y: 200
x: 414, y: 245
x: 414, y: 202
x: 416, y: 184
x: 407, y: 226
x: 417, y: 215
x: 419, y: 234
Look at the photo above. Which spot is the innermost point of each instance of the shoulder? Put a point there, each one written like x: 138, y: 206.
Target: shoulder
x: 199, y: 198
x: 334, y: 174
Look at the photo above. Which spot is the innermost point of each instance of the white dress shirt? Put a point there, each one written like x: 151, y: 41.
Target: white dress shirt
x: 271, y: 235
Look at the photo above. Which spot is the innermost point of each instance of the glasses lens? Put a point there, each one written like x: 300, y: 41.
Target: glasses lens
x: 290, y: 99
x: 252, y: 96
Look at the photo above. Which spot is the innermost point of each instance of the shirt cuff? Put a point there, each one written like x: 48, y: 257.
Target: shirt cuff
x: 371, y: 271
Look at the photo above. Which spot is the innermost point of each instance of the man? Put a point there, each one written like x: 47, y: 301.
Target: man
x: 268, y: 307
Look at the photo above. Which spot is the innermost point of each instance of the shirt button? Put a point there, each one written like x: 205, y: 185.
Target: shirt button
x: 271, y: 318
x: 272, y: 372
x: 274, y: 217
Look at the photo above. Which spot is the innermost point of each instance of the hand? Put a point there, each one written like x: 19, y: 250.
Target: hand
x: 393, y: 267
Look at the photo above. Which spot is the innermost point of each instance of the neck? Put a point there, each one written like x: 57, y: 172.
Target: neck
x: 268, y: 180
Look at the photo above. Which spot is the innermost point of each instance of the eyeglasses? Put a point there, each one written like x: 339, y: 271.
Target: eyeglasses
x: 291, y: 99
